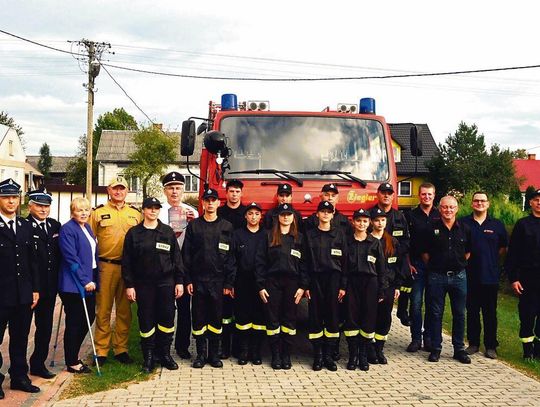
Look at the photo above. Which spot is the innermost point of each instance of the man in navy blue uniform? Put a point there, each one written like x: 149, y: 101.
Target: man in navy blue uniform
x: 488, y: 242
x: 523, y: 268
x: 45, y: 231
x: 20, y: 285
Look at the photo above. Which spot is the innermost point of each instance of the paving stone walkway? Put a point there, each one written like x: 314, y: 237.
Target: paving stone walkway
x: 408, y: 380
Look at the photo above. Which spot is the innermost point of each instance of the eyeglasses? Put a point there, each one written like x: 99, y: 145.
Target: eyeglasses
x: 479, y: 200
x: 448, y: 208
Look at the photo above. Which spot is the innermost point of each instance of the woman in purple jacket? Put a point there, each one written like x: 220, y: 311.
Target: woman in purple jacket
x: 78, y: 271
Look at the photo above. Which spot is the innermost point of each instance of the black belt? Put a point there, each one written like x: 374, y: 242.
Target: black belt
x: 449, y: 273
x: 119, y: 262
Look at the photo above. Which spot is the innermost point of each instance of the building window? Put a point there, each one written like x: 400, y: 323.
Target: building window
x: 133, y: 184
x: 191, y: 184
x: 404, y: 188
x: 10, y: 148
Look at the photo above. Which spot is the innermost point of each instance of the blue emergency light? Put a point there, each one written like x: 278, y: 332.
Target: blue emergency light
x: 367, y: 105
x: 229, y: 101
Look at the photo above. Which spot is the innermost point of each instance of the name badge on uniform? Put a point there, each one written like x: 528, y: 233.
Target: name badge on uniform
x: 106, y: 216
x: 371, y: 259
x: 55, y: 235
x: 488, y: 231
x: 223, y: 246
x: 335, y: 252
x: 397, y: 233
x: 163, y: 246
x: 392, y: 260
x: 296, y: 253
x: 36, y: 237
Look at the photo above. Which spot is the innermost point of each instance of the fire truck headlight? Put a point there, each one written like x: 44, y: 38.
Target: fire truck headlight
x: 307, y: 198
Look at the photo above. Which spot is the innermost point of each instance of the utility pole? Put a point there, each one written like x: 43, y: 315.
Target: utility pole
x: 95, y: 50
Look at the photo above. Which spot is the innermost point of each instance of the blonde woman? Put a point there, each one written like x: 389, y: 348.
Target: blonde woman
x: 78, y: 269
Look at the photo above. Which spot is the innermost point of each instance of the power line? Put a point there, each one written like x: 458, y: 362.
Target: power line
x: 341, y: 78
x: 125, y: 93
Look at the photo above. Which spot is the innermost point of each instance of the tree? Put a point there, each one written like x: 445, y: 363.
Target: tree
x: 464, y: 164
x: 7, y: 120
x: 155, y: 149
x: 118, y: 119
x: 45, y: 161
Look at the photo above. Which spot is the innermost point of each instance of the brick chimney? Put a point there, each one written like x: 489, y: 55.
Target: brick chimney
x: 531, y: 156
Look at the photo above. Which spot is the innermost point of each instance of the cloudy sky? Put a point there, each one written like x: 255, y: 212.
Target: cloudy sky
x: 43, y: 89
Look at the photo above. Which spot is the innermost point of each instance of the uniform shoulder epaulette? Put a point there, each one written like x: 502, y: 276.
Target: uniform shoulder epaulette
x: 99, y: 206
x: 134, y: 207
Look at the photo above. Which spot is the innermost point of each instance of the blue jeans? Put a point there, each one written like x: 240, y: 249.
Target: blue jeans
x: 417, y: 298
x: 456, y: 286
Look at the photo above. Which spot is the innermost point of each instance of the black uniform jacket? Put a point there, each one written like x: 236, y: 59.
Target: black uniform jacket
x: 207, y: 252
x: 286, y: 259
x: 396, y: 274
x: 245, y: 245
x: 19, y: 275
x: 523, y: 259
x: 48, y: 255
x: 152, y: 256
x: 235, y: 216
x: 327, y: 253
x: 339, y: 221
x: 366, y: 257
x: 419, y: 225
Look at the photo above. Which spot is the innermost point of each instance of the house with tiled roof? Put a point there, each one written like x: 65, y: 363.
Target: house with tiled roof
x: 527, y: 173
x: 112, y: 158
x: 411, y: 171
x: 58, y: 170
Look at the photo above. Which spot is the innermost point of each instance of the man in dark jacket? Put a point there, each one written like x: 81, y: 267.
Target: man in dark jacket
x: 45, y: 232
x: 20, y: 285
x: 523, y: 267
x: 210, y: 274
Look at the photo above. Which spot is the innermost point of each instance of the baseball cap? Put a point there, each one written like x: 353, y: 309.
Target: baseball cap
x: 118, y: 181
x: 284, y: 208
x: 151, y: 201
x: 361, y: 213
x: 284, y: 189
x: 385, y: 186
x: 210, y: 193
x: 330, y: 188
x: 252, y: 205
x: 325, y: 205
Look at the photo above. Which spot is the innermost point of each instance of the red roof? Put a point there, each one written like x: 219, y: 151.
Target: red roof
x: 529, y: 170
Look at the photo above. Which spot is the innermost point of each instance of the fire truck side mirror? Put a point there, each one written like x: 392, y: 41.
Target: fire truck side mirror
x: 187, y: 139
x: 416, y: 140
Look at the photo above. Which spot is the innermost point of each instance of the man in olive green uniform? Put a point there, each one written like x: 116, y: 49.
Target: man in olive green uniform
x: 110, y: 223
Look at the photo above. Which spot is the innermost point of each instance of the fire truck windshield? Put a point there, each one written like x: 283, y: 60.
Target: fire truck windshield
x: 301, y: 144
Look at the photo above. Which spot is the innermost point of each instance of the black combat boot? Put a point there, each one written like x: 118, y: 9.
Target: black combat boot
x: 536, y: 348
x: 256, y: 339
x: 371, y: 355
x: 148, y: 361
x: 202, y: 349
x: 285, y: 356
x: 243, y: 347
x: 275, y: 348
x: 328, y: 361
x: 213, y: 353
x: 317, y: 355
x: 528, y: 351
x: 166, y: 360
x: 379, y: 351
x: 226, y: 336
x: 362, y: 354
x: 353, y: 354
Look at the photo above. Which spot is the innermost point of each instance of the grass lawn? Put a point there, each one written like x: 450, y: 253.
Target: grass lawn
x: 113, y: 374
x: 510, y: 349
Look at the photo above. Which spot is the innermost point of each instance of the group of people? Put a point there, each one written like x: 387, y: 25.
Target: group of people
x: 234, y: 277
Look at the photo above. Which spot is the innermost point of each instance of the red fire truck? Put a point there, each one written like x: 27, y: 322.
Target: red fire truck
x: 350, y: 147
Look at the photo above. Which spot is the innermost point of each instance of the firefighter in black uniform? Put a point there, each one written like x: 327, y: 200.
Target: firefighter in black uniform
x: 398, y: 227
x: 281, y: 280
x: 233, y: 210
x: 45, y: 232
x: 326, y: 265
x: 283, y: 196
x: 392, y: 254
x: 20, y: 285
x: 366, y: 284
x: 210, y: 273
x: 152, y: 270
x: 330, y: 193
x: 248, y: 308
x: 523, y: 267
